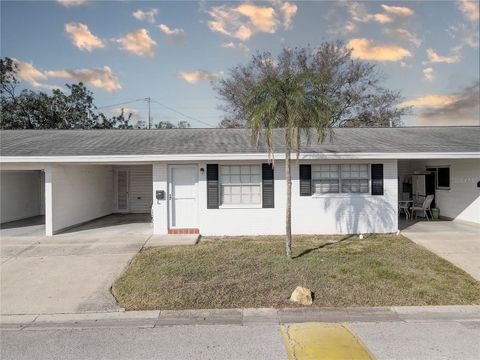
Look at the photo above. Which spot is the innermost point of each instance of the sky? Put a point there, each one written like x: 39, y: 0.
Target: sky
x: 170, y: 51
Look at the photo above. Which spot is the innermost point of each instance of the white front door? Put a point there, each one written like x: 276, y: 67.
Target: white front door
x: 122, y: 190
x: 182, y: 196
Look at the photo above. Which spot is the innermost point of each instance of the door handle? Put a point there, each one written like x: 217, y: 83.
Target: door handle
x: 169, y: 196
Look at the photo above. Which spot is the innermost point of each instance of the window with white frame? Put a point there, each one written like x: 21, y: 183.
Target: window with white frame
x: 240, y: 184
x: 345, y: 178
x: 325, y: 179
x: 355, y: 178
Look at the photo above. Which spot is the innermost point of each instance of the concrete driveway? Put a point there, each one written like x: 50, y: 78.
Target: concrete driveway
x: 63, y: 273
x: 457, y: 242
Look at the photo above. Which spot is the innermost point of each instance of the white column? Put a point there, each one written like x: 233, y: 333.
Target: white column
x: 48, y: 201
x: 160, y: 207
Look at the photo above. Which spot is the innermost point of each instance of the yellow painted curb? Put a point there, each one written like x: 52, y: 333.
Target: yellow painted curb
x: 309, y: 341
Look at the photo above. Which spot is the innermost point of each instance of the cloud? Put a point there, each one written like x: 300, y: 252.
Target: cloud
x: 431, y: 101
x: 176, y: 34
x: 232, y: 45
x: 145, y: 15
x: 194, y: 77
x: 460, y: 108
x: 70, y: 3
x: 28, y: 73
x: 340, y: 29
x: 469, y: 9
x: 398, y: 10
x: 429, y: 74
x: 382, y: 18
x: 368, y: 50
x: 102, y: 78
x: 433, y: 57
x: 82, y: 38
x: 262, y: 18
x: 402, y: 34
x: 246, y: 19
x: 288, y: 11
x: 468, y: 34
x: 359, y: 13
x: 138, y: 42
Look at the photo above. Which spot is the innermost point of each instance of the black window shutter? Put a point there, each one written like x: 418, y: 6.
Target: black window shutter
x: 377, y: 179
x: 305, y: 180
x: 212, y: 186
x: 267, y: 186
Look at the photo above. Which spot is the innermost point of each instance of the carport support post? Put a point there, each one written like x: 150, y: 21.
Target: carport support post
x: 160, y: 207
x: 48, y: 201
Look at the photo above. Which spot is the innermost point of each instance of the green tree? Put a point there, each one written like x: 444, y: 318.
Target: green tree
x: 169, y: 125
x: 295, y: 92
x: 354, y: 86
x: 39, y: 110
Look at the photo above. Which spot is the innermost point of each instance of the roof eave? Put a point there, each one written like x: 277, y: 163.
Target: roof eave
x: 238, y: 156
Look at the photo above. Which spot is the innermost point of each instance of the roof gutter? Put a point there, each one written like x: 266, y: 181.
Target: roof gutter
x: 238, y: 156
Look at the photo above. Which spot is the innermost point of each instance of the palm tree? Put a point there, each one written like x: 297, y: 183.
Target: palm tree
x: 303, y: 91
x: 287, y: 97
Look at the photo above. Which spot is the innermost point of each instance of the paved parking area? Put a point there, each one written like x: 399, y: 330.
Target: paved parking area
x: 32, y: 226
x: 64, y: 273
x: 457, y: 242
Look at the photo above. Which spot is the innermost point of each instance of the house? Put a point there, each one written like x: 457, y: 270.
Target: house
x: 215, y: 182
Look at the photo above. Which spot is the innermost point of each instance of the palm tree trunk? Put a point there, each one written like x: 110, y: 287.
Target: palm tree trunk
x: 288, y: 222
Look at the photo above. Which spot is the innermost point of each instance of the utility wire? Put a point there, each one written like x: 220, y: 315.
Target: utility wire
x: 118, y: 104
x: 148, y: 100
x: 180, y: 113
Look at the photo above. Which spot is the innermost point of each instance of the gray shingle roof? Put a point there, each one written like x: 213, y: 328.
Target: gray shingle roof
x: 218, y: 141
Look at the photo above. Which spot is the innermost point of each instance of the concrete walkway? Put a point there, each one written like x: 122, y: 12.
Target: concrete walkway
x: 457, y: 242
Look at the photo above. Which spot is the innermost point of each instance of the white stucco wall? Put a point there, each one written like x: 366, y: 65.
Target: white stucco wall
x: 21, y: 195
x: 462, y: 201
x: 79, y: 194
x: 347, y: 213
x: 329, y: 214
x: 159, y: 207
x: 243, y: 221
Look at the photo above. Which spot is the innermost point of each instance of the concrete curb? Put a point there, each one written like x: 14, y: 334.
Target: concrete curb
x: 240, y: 317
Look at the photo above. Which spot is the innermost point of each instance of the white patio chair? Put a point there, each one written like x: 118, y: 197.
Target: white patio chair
x: 404, y: 206
x: 425, y: 207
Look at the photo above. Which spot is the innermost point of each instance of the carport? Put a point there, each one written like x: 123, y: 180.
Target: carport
x: 454, y: 183
x: 22, y: 202
x: 77, y: 197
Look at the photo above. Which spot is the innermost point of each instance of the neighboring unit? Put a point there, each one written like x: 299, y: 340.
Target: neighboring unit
x: 215, y: 182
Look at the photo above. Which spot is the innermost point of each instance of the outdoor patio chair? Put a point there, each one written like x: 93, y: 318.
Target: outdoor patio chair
x: 425, y: 207
x: 405, y: 207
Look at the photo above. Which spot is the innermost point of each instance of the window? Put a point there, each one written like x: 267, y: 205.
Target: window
x: 240, y: 184
x: 355, y: 178
x: 325, y: 179
x: 442, y: 176
x: 346, y: 178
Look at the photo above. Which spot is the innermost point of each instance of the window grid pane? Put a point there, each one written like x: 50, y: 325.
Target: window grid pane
x: 240, y: 184
x: 355, y: 178
x: 345, y: 178
x: 325, y: 179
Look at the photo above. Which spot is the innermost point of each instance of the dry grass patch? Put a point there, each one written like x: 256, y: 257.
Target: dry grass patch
x: 381, y: 270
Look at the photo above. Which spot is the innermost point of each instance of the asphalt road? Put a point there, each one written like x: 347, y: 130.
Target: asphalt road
x: 387, y: 340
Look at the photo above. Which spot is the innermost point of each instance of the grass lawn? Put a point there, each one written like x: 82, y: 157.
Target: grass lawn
x: 380, y: 270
